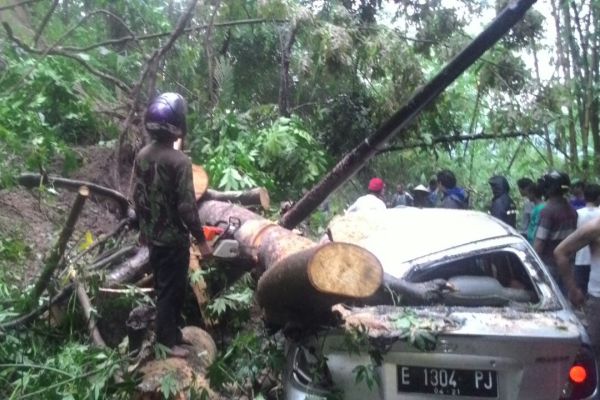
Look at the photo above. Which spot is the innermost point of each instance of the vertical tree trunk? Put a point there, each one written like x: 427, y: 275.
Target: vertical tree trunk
x: 594, y: 117
x: 286, y: 40
x: 566, y: 67
x: 213, y: 82
x: 549, y: 153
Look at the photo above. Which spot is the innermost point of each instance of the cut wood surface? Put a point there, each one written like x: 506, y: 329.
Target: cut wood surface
x: 198, y: 283
x: 345, y: 269
x: 252, y: 197
x: 200, y: 180
x: 187, y: 373
x: 302, y: 287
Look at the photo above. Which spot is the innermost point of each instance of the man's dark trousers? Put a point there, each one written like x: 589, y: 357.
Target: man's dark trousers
x: 170, y: 265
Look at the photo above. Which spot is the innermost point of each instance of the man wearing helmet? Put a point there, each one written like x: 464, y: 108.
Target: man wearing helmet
x: 557, y: 219
x: 163, y: 195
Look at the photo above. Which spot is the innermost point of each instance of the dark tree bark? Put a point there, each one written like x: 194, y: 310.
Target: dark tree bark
x: 287, y: 40
x: 424, y: 96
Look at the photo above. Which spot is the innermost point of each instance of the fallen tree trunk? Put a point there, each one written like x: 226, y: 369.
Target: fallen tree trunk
x: 302, y: 287
x: 31, y: 180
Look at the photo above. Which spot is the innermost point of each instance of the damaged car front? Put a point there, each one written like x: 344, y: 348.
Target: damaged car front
x: 501, y: 330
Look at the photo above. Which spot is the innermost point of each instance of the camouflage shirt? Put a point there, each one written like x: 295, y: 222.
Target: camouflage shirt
x: 163, y: 194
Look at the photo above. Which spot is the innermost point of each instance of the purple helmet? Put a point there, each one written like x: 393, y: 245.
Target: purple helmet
x: 165, y: 117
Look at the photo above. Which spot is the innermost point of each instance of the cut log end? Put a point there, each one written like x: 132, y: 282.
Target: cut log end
x: 84, y: 191
x: 345, y: 269
x: 265, y: 200
x: 200, y: 178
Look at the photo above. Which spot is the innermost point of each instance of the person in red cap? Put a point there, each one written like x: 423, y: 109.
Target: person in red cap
x: 372, y: 200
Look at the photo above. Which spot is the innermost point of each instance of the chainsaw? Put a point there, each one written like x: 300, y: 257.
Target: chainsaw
x: 220, y: 237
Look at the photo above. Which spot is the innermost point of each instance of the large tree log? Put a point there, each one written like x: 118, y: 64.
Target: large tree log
x: 131, y: 269
x: 34, y: 180
x: 424, y: 96
x: 303, y: 286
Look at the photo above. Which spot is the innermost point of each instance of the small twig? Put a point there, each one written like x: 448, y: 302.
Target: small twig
x: 47, y: 17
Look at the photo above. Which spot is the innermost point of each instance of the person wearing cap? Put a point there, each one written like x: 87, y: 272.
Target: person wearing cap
x: 372, y: 200
x: 422, y: 197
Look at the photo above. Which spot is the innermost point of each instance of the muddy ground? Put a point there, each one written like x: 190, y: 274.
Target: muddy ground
x: 36, y: 216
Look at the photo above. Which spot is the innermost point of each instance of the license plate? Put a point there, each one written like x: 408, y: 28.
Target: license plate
x: 447, y: 381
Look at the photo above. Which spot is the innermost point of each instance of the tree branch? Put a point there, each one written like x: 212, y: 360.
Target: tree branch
x: 50, y: 51
x: 457, y: 138
x: 163, y: 34
x: 21, y: 3
x: 34, y: 180
x: 151, y: 68
x: 38, y: 33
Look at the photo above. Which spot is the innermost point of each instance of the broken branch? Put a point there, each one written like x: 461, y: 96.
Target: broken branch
x: 47, y: 17
x: 34, y: 180
x: 458, y: 138
x: 59, y: 249
x: 86, y: 306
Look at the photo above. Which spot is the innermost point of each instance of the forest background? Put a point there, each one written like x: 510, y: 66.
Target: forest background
x: 279, y: 90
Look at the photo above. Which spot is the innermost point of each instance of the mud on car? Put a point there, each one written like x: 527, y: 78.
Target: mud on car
x: 504, y: 331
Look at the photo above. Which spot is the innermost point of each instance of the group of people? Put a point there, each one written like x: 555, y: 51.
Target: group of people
x: 442, y: 192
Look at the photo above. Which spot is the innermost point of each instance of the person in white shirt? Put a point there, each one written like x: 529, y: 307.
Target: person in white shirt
x: 586, y: 235
x: 371, y: 201
x: 583, y: 257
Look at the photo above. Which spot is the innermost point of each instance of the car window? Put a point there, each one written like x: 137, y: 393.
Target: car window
x: 488, y: 278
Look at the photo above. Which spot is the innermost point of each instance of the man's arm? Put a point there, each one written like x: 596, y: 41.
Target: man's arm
x: 563, y: 253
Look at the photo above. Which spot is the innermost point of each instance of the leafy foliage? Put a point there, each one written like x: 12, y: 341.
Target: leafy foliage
x: 239, y: 155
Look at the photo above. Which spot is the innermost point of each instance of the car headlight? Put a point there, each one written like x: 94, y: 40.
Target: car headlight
x: 311, y: 371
